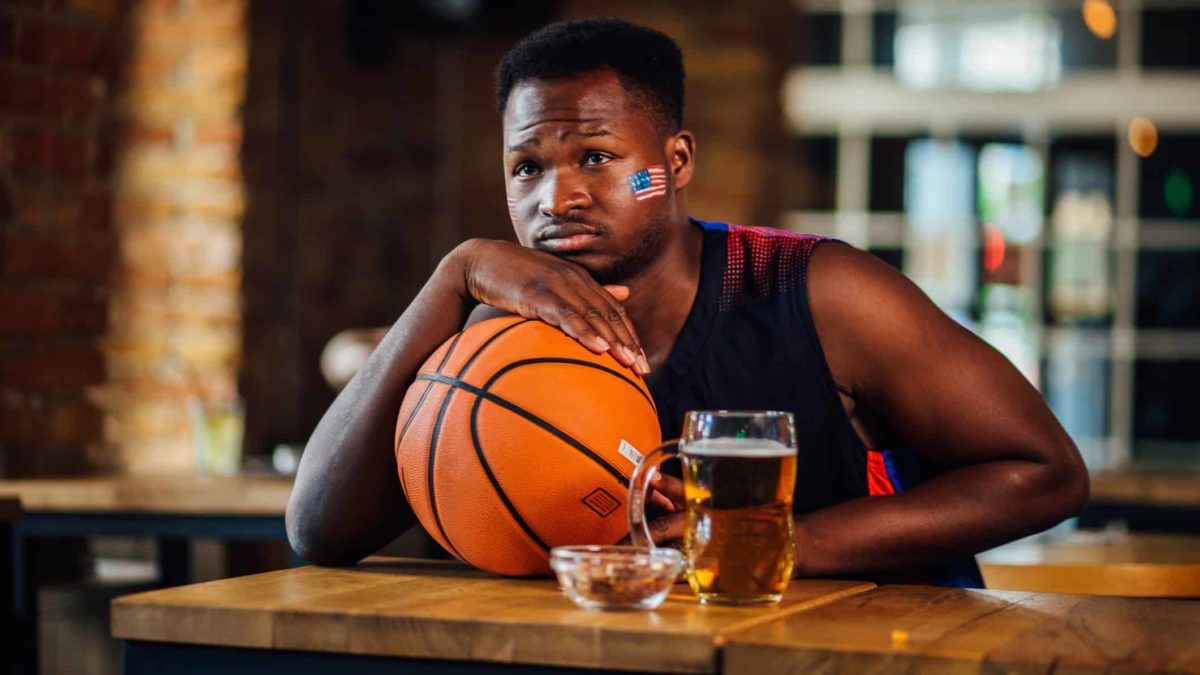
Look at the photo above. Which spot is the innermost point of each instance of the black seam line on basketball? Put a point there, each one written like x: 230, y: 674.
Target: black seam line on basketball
x: 463, y: 371
x: 575, y: 362
x: 424, y: 394
x: 437, y: 429
x: 449, y: 352
x: 487, y: 386
x: 543, y: 424
x: 487, y: 469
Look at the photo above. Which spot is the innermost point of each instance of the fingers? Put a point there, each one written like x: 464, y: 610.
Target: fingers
x: 588, y: 313
x: 608, y: 317
x: 621, y: 293
x: 671, y: 488
x: 663, y: 502
x: 665, y: 531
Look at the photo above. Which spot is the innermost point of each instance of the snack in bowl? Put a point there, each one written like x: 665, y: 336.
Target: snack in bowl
x: 616, y: 577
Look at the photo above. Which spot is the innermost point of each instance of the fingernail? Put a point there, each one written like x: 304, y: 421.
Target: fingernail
x: 629, y: 355
x: 643, y: 365
x: 601, y: 344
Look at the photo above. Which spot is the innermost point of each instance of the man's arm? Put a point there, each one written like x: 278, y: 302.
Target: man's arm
x: 347, y: 502
x: 1011, y: 469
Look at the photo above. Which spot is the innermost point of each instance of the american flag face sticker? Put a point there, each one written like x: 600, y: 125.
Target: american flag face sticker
x: 649, y: 182
x: 512, y: 209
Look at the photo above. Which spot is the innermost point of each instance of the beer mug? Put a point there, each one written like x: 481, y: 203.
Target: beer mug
x: 739, y: 470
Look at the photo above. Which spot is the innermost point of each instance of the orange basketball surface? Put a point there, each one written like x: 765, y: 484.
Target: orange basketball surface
x: 514, y: 439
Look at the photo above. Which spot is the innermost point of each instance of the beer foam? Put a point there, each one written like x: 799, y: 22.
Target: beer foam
x: 737, y: 447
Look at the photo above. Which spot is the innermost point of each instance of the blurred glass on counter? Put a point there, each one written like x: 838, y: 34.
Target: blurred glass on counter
x: 1006, y: 321
x: 1011, y: 204
x: 218, y: 428
x: 1079, y: 274
x: 1011, y: 191
x: 1077, y: 367
x: 940, y: 237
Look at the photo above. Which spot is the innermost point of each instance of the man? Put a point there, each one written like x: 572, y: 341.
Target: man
x: 919, y: 444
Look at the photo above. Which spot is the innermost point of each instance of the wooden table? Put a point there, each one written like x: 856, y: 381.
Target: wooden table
x: 171, y: 509
x: 960, y: 631
x: 1098, y: 563
x: 393, y: 615
x: 1146, y: 499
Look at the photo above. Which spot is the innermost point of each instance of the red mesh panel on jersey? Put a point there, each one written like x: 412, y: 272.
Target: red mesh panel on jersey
x: 761, y: 262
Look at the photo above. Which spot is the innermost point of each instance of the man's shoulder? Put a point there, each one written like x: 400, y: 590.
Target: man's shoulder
x: 762, y: 262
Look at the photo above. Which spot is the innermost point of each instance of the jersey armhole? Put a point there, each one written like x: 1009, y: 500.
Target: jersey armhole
x: 832, y: 396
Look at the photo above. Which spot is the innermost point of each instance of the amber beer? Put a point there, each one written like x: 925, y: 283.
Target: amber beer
x: 738, y: 540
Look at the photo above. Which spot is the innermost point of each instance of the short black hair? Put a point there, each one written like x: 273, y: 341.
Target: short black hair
x: 648, y: 63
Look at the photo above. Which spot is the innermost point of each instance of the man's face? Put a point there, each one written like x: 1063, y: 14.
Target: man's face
x: 570, y: 146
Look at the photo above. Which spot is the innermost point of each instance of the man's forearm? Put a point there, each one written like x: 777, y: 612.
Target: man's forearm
x: 347, y: 502
x: 958, y: 513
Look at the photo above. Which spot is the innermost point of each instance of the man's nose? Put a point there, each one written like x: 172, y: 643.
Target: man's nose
x: 562, y: 194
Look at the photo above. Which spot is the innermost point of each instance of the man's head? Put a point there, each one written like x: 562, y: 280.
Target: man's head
x: 648, y: 63
x: 594, y: 155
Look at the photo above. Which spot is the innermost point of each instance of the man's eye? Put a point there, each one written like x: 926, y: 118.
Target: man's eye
x: 525, y: 169
x: 595, y: 158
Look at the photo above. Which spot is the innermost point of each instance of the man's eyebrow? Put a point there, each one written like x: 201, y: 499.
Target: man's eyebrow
x: 591, y: 133
x: 523, y: 144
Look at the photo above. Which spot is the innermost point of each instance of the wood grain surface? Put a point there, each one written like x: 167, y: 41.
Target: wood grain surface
x: 901, y: 629
x: 1148, y: 486
x: 444, y: 610
x: 175, y: 494
x: 1098, y: 563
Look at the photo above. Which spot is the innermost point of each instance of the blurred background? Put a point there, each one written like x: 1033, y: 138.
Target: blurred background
x: 196, y: 196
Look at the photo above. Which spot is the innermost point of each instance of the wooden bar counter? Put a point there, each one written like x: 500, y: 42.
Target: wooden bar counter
x: 926, y: 629
x: 166, y: 494
x: 1145, y: 498
x: 1098, y: 563
x: 171, y: 509
x: 422, y: 613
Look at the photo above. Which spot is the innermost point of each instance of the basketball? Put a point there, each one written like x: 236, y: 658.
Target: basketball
x: 514, y: 438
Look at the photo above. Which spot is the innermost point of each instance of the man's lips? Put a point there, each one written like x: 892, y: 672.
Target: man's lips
x: 566, y: 238
x: 569, y: 244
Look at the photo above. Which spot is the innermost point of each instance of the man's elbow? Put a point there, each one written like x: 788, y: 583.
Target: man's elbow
x: 1077, y: 489
x: 312, y: 544
x: 1068, y: 484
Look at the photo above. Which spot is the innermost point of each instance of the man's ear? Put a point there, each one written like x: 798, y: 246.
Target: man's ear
x: 681, y: 154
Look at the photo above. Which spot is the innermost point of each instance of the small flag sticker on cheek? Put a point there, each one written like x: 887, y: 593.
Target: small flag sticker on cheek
x: 512, y: 209
x: 649, y: 182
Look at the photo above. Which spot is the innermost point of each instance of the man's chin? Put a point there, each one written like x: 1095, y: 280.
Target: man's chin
x: 603, y: 268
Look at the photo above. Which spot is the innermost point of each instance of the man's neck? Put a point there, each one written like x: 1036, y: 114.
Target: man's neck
x: 661, y: 297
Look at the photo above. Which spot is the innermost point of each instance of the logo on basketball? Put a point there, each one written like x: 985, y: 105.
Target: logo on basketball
x: 600, y: 501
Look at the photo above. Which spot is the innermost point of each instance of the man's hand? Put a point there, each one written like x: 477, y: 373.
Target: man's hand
x: 537, y: 285
x: 667, y: 498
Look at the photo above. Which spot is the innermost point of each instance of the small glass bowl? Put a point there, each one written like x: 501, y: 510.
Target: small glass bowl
x: 616, y: 577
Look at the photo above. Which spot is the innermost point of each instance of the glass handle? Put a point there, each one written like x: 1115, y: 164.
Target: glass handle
x: 639, y: 485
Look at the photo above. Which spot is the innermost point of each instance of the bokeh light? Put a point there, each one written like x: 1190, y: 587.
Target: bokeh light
x: 1143, y: 136
x: 1100, y: 18
x: 993, y: 248
x: 1178, y: 192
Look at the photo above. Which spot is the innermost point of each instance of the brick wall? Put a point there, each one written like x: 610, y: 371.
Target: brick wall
x: 121, y: 204
x: 58, y: 68
x: 175, y: 309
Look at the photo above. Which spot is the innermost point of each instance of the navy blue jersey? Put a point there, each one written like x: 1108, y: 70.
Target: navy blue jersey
x: 749, y: 343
